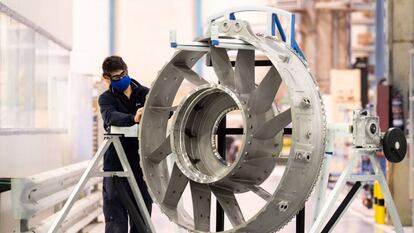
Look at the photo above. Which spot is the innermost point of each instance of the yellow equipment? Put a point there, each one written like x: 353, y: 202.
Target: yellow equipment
x: 379, y: 207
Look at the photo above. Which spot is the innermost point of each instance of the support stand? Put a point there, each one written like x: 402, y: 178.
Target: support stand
x: 92, y: 171
x: 358, y: 179
x: 221, y: 147
x: 300, y: 221
x: 342, y: 207
x: 321, y: 187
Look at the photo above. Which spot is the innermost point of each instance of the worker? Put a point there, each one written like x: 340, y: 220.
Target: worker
x: 121, y: 105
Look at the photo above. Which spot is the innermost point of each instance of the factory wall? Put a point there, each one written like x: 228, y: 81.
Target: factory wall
x: 57, y: 130
x: 142, y: 33
x: 90, y: 36
x: 400, y: 39
x: 57, y: 82
x: 60, y: 11
x: 33, y: 88
x: 38, y: 151
x: 90, y: 47
x: 146, y: 53
x: 34, y: 77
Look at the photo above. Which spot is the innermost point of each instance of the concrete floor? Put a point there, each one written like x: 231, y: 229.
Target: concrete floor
x: 357, y: 219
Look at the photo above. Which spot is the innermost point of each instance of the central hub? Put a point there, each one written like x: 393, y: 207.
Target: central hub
x: 193, y: 132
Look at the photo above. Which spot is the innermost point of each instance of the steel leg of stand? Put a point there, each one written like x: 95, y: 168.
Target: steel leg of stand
x: 329, y: 204
x: 24, y: 225
x: 300, y: 221
x: 389, y: 202
x: 133, y: 183
x: 221, y: 139
x: 79, y: 186
x: 321, y: 188
x: 342, y: 207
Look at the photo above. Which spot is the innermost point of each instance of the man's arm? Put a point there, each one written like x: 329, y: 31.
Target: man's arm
x: 111, y: 116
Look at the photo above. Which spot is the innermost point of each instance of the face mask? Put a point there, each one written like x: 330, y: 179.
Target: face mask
x: 122, y: 84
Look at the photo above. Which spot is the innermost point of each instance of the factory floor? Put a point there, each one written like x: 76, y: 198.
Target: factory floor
x: 356, y: 219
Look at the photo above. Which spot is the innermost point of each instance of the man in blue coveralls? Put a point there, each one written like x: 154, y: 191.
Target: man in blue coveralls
x: 121, y: 105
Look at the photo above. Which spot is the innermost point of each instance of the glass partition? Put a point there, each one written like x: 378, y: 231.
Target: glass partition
x: 33, y: 78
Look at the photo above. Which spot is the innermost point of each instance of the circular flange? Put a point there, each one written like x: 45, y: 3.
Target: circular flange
x: 194, y: 123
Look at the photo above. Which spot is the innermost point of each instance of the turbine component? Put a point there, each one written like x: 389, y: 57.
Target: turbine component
x: 189, y: 136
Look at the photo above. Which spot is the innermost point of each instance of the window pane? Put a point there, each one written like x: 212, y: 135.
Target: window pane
x: 33, y: 78
x: 3, y: 69
x: 25, y: 78
x: 58, y: 67
x: 41, y: 76
x: 11, y: 61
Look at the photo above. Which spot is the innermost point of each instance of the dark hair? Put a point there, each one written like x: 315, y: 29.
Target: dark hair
x: 113, y: 63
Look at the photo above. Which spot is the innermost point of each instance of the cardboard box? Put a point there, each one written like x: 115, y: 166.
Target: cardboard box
x: 365, y: 38
x: 346, y: 94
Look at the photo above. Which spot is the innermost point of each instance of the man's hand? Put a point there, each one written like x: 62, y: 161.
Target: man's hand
x: 138, y: 115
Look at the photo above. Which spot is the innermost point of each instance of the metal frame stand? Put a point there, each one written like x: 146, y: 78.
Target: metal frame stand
x: 92, y: 171
x: 321, y: 186
x: 221, y: 147
x: 358, y: 179
x: 300, y: 221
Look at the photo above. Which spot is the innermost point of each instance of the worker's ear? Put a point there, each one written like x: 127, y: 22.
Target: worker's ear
x: 105, y: 77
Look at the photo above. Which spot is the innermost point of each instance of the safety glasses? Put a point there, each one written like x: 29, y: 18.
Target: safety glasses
x: 117, y: 77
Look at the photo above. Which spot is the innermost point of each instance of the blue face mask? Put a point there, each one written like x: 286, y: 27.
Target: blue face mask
x: 122, y: 84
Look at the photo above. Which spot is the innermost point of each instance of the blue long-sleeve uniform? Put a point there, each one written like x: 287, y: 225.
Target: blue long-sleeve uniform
x: 119, y: 110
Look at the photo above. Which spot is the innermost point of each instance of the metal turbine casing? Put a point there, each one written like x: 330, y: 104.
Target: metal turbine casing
x: 217, y: 100
x: 188, y: 138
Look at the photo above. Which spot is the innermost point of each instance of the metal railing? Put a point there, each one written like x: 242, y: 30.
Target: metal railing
x: 35, y: 194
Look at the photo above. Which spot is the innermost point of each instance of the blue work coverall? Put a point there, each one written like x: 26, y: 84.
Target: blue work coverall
x: 119, y: 110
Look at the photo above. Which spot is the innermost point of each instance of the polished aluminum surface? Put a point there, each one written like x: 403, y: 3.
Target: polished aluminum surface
x: 188, y: 137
